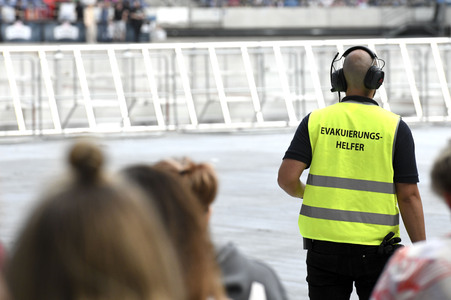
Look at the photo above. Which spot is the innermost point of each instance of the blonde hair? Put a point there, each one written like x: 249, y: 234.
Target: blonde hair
x: 93, y: 238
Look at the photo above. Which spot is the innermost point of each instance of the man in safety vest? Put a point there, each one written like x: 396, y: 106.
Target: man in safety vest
x: 362, y: 167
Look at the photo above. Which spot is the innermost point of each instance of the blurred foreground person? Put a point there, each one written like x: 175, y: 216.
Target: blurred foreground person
x: 3, y: 292
x: 180, y: 213
x: 2, y: 255
x: 423, y: 270
x: 92, y: 238
x: 244, y: 278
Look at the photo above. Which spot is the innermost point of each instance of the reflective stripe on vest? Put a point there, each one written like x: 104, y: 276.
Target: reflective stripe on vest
x: 349, y: 216
x: 350, y: 196
x: 351, y: 184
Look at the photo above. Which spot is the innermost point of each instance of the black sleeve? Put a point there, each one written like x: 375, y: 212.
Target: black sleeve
x: 300, y: 148
x: 404, y: 161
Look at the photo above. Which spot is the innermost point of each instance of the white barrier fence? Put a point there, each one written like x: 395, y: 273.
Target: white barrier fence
x: 64, y: 89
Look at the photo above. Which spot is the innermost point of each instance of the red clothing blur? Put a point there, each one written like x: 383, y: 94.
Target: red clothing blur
x: 421, y: 271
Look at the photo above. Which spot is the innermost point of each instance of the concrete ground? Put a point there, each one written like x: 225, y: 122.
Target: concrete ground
x: 251, y: 210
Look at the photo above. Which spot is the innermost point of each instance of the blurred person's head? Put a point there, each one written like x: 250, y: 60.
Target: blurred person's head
x: 3, y: 291
x: 182, y: 215
x: 3, y: 294
x: 93, y: 238
x: 441, y: 174
x: 2, y: 255
x: 201, y: 178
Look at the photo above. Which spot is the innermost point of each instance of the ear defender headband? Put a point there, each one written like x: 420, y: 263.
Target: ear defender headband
x: 373, y: 79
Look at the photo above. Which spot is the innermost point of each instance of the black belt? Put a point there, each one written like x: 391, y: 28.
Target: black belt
x: 325, y: 247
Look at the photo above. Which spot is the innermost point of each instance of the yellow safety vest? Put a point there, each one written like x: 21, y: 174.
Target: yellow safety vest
x: 350, y: 195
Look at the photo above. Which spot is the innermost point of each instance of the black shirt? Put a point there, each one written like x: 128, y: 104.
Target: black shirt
x: 404, y: 161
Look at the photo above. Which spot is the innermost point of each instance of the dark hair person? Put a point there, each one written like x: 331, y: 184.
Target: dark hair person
x: 181, y: 214
x: 92, y: 238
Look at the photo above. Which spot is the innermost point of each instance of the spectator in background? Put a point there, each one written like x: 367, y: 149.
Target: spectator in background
x: 93, y: 238
x: 120, y: 18
x: 158, y: 34
x: 136, y: 18
x: 423, y: 270
x: 243, y: 277
x: 439, y: 11
x: 66, y: 32
x: 51, y: 8
x: 180, y: 212
x: 106, y: 23
x: 19, y: 9
x: 7, y: 13
x: 66, y: 12
x: 79, y: 11
x: 18, y: 32
x: 90, y: 22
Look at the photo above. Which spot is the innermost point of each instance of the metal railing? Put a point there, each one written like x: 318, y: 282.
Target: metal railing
x: 64, y: 89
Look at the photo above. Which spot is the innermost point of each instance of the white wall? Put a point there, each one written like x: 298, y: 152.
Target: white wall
x: 292, y: 17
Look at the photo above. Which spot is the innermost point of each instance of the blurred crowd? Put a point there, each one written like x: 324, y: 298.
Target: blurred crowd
x: 33, y: 10
x: 129, y: 20
x: 47, y: 10
x: 316, y: 3
x: 104, y: 21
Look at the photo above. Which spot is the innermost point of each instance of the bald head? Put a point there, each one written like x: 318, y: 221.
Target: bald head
x: 355, y: 67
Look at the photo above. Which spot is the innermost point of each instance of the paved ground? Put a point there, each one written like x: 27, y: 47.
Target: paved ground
x: 251, y: 210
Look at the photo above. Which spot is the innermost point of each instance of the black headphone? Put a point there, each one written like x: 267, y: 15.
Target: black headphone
x: 373, y: 79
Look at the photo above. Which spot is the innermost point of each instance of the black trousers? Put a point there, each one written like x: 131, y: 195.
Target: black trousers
x: 333, y: 268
